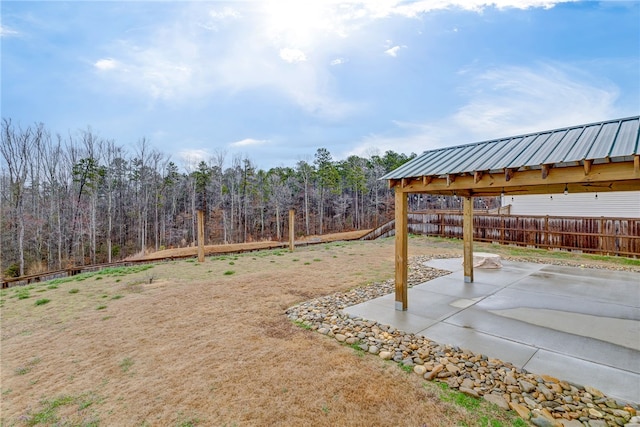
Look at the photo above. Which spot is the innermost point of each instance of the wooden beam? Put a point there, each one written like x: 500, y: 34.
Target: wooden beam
x: 467, y: 236
x: 200, y: 217
x: 545, y: 171
x: 450, y: 179
x: 477, y: 176
x: 402, y: 236
x: 587, y: 166
x: 603, y: 177
x: 426, y: 180
x: 403, y: 182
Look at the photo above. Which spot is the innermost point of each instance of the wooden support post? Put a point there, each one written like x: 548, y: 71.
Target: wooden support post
x: 402, y: 236
x: 292, y: 223
x: 467, y: 234
x: 200, y: 236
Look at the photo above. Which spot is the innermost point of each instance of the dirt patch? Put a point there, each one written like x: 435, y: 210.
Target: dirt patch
x: 208, y: 344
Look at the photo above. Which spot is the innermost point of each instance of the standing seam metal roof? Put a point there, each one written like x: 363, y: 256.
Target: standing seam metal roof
x: 611, y: 140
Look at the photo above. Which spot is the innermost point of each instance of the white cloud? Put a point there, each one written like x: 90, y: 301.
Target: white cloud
x: 392, y: 51
x: 224, y: 13
x: 292, y: 55
x: 247, y: 142
x: 183, y: 60
x: 7, y: 32
x: 106, y: 64
x: 217, y: 18
x: 504, y: 102
x: 385, y: 8
x: 512, y: 100
x: 191, y: 157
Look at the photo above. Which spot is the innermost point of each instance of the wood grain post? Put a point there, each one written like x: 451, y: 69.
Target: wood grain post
x: 402, y: 236
x: 292, y: 219
x: 200, y: 236
x: 467, y: 235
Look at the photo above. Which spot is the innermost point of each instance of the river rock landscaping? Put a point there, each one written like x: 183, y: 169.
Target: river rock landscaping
x: 541, y: 399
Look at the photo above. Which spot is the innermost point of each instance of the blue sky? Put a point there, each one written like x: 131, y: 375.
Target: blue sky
x: 275, y: 80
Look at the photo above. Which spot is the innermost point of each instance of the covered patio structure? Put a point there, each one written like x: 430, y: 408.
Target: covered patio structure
x: 593, y: 158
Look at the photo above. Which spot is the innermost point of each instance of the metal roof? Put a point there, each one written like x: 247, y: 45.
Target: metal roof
x: 609, y: 141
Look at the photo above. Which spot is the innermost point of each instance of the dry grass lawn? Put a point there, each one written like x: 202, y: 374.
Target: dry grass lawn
x: 183, y: 343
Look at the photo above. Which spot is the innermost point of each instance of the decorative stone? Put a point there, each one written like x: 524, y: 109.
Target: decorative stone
x: 593, y: 391
x: 595, y: 413
x: 544, y: 422
x: 530, y: 402
x: 571, y: 423
x: 429, y: 376
x: 522, y: 411
x: 386, y: 355
x: 548, y: 394
x: 621, y: 413
x: 452, y: 368
x: 341, y: 338
x: 510, y: 380
x: 497, y: 400
x: 526, y: 386
x: 469, y: 392
x: 419, y: 369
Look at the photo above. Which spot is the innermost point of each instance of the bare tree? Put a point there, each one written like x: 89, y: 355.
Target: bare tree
x: 16, y: 148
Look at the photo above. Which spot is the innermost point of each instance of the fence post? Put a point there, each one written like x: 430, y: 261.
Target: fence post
x: 292, y: 218
x: 200, y: 236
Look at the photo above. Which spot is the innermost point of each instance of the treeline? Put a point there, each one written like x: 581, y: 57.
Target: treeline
x: 81, y: 199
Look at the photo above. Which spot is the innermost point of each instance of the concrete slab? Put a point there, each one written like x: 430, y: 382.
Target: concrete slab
x: 481, y: 343
x: 386, y: 314
x: 556, y: 340
x: 621, y: 286
x: 582, y: 325
x: 587, y: 373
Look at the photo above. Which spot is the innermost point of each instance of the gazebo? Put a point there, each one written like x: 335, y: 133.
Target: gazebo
x: 597, y: 157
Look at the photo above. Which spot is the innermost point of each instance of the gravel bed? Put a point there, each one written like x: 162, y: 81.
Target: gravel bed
x: 541, y: 399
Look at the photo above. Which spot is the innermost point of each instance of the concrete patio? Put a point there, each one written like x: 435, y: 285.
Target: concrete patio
x: 577, y: 324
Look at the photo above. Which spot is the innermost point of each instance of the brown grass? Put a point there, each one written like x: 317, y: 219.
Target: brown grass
x: 198, y: 347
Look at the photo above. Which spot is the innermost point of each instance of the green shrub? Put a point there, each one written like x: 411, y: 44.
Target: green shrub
x: 13, y: 270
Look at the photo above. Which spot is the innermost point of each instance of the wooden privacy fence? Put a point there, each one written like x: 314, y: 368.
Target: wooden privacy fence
x: 604, y: 235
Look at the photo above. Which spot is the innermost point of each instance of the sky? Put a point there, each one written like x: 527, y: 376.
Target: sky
x: 274, y: 80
